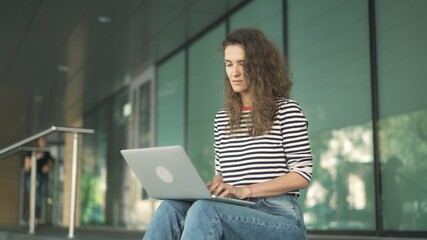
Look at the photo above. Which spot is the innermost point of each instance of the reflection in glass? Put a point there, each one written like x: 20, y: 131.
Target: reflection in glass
x: 102, y: 164
x: 205, y: 86
x: 328, y: 44
x: 341, y: 195
x: 93, y: 176
x: 145, y: 115
x: 170, y: 101
x: 402, y: 54
x: 404, y: 151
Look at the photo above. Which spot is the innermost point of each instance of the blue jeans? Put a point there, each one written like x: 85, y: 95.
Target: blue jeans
x: 277, y: 217
x: 41, y: 186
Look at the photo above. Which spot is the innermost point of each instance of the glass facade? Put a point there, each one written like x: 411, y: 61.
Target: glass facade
x: 401, y: 38
x: 103, y: 171
x: 205, y: 83
x: 267, y: 17
x: 328, y: 46
x: 334, y: 67
x: 92, y: 192
x: 170, y: 101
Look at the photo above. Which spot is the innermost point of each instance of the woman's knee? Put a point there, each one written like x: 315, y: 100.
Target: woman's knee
x: 173, y: 206
x: 202, y: 208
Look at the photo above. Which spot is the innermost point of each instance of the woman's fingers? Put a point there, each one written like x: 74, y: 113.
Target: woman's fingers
x: 212, y: 187
x: 225, y: 193
x: 223, y: 190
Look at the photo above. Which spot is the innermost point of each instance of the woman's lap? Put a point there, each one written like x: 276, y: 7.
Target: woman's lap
x: 271, y: 218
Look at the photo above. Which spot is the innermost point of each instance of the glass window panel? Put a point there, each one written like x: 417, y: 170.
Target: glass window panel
x: 94, y: 167
x: 266, y: 17
x: 329, y: 58
x: 102, y: 163
x: 205, y: 98
x: 171, y: 101
x: 402, y: 54
x: 117, y: 140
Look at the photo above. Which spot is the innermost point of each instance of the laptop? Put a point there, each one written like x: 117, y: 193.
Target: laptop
x: 168, y: 173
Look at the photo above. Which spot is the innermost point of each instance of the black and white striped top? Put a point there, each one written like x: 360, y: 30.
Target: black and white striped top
x: 242, y: 160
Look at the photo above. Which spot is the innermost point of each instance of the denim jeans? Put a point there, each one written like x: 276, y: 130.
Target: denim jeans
x: 277, y: 217
x: 41, y: 186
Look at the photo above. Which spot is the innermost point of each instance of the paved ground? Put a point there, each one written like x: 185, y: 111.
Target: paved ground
x: 57, y: 233
x: 105, y: 233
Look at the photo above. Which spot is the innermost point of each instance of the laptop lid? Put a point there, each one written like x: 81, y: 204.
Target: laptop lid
x: 168, y: 173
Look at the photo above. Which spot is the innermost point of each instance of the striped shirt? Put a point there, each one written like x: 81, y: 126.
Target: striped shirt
x: 242, y: 159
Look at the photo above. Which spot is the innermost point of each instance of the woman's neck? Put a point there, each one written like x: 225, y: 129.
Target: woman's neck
x: 246, y: 100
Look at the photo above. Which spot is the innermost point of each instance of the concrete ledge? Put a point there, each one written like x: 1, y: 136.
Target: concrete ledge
x: 347, y: 237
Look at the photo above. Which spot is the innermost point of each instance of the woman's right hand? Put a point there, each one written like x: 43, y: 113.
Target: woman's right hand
x: 216, y: 181
x: 218, y: 188
x: 27, y: 164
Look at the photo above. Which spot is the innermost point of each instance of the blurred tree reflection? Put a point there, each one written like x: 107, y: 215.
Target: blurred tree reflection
x: 344, y: 171
x: 341, y: 195
x: 405, y: 137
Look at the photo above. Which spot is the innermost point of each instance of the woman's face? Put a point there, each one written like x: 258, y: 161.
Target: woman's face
x: 234, y: 55
x: 42, y: 142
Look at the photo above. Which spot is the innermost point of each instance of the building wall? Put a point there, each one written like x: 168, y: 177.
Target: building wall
x: 358, y: 71
x: 10, y: 168
x: 9, y: 189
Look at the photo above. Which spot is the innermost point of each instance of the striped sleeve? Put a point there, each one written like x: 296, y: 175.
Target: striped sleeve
x: 216, y: 143
x: 294, y: 129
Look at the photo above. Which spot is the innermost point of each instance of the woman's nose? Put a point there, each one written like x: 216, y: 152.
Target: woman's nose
x: 236, y: 71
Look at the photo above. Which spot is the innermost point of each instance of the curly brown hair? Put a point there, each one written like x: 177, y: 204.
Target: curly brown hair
x: 267, y: 77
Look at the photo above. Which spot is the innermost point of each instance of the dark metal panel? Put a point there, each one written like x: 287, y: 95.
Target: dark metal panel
x: 15, y: 20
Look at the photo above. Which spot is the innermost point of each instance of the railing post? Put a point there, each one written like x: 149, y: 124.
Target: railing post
x: 33, y: 194
x: 13, y: 148
x: 73, y: 185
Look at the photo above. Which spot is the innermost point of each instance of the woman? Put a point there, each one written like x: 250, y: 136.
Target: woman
x: 44, y: 162
x: 262, y: 154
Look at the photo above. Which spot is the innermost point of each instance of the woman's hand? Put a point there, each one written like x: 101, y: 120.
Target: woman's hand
x: 218, y: 188
x: 27, y: 164
x: 277, y: 186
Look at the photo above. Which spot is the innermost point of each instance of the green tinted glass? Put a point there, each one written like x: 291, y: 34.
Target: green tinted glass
x: 329, y: 58
x: 205, y: 98
x: 170, y: 101
x: 402, y: 54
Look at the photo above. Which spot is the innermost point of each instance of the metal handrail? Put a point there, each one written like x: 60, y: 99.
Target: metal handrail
x: 41, y: 134
x: 7, y: 151
x: 22, y: 149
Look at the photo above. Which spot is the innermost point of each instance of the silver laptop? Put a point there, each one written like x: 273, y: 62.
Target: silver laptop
x: 168, y: 173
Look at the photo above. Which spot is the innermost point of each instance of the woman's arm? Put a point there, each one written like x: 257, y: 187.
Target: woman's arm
x: 278, y: 186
